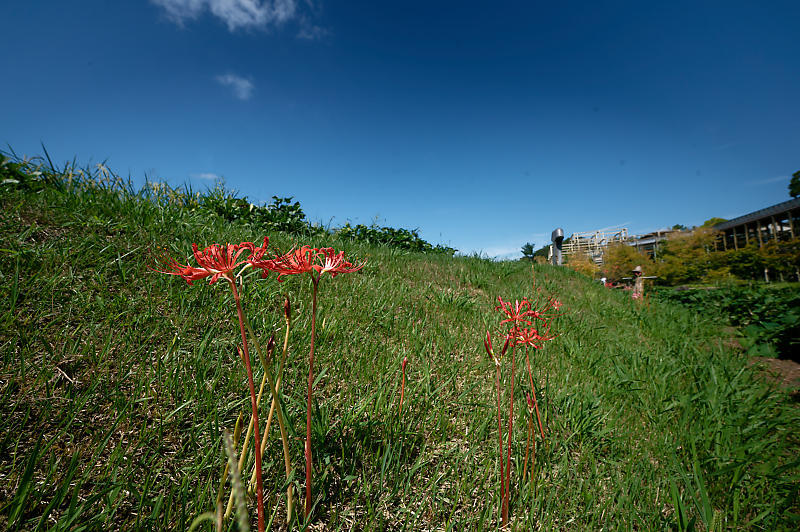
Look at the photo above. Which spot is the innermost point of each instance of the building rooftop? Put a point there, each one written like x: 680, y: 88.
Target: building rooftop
x: 760, y: 214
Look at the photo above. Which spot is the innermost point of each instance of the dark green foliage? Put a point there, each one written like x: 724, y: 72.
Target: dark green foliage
x: 745, y: 263
x: 794, y: 185
x: 768, y: 318
x: 527, y: 250
x: 389, y: 236
x: 542, y: 252
x: 711, y: 222
x: 282, y: 215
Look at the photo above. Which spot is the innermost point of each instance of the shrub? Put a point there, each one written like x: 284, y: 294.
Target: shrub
x: 620, y: 259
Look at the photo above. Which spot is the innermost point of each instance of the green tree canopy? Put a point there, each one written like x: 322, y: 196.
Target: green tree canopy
x: 527, y: 250
x: 794, y: 185
x: 711, y: 222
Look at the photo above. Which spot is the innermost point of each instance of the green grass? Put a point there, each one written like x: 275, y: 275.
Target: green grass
x: 116, y: 384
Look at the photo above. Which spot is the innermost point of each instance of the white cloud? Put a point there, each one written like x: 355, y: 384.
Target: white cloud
x: 235, y: 13
x: 242, y: 88
x: 504, y: 252
x: 206, y: 175
x: 507, y: 247
x: 770, y: 180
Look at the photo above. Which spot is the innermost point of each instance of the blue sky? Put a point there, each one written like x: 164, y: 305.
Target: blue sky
x: 485, y: 125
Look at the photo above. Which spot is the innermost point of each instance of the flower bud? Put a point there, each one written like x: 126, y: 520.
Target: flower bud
x: 487, y: 344
x: 270, y: 346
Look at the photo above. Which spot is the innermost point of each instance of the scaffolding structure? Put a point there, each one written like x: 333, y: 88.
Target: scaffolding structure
x: 593, y: 243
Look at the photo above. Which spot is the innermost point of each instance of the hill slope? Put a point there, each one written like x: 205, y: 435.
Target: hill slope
x: 116, y: 383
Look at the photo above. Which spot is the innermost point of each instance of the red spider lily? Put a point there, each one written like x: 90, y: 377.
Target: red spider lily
x: 220, y: 261
x: 516, y: 312
x: 544, y: 313
x: 315, y: 261
x: 307, y: 259
x: 215, y: 261
x: 529, y: 337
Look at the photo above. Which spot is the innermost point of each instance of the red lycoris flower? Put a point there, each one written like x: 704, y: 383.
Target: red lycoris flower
x: 516, y: 312
x: 215, y: 261
x: 545, y: 313
x: 307, y: 259
x: 529, y: 336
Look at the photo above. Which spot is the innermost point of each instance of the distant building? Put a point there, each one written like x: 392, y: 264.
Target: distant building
x: 594, y: 243
x: 778, y: 223
x: 648, y: 243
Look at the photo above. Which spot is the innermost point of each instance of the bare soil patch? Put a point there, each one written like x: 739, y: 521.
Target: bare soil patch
x: 784, y: 372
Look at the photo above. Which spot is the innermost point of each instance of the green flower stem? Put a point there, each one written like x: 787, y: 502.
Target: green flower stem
x: 246, y: 444
x: 237, y: 432
x: 287, y: 461
x: 274, y: 404
x: 253, y: 404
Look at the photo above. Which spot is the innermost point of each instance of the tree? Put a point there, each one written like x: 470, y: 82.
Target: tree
x: 620, y: 259
x: 542, y: 252
x: 679, y: 227
x: 527, y: 250
x: 711, y: 222
x: 688, y: 258
x: 794, y: 185
x: 582, y: 263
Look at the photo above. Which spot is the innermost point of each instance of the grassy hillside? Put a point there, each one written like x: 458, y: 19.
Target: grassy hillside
x: 116, y: 383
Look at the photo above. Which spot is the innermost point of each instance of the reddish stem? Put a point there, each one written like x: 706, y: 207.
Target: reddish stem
x: 402, y: 388
x: 504, y: 509
x: 259, y: 486
x: 533, y: 389
x: 315, y: 282
x: 510, y: 429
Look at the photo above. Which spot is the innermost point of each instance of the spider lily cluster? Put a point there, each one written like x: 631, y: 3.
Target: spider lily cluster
x: 227, y: 262
x: 525, y: 325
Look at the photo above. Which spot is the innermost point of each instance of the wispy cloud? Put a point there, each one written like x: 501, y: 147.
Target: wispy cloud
x: 311, y: 32
x: 504, y: 252
x: 205, y: 175
x: 242, y: 87
x: 236, y: 14
x: 776, y: 179
x: 511, y: 248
